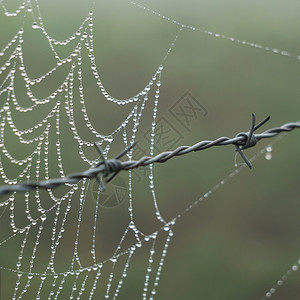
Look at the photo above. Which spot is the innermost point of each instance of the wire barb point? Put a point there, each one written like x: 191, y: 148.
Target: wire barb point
x: 250, y: 139
x: 111, y: 166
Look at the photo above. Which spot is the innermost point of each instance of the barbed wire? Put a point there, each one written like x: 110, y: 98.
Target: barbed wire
x: 111, y: 167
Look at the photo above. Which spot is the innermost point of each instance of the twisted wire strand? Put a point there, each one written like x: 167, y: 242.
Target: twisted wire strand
x: 239, y: 141
x: 110, y: 167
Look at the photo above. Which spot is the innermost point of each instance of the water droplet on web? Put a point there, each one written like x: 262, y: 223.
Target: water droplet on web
x: 284, y: 277
x: 113, y: 259
x: 268, y: 154
x: 295, y: 268
x: 131, y: 225
x: 35, y: 25
x: 166, y: 227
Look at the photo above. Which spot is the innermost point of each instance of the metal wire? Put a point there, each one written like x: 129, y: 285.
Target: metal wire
x: 110, y: 167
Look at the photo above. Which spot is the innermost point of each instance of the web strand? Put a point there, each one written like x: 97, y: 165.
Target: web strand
x: 219, y: 35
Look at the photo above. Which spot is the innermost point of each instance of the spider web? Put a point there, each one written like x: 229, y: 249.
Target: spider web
x: 54, y: 241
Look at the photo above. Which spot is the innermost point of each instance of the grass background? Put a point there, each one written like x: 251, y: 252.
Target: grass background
x: 243, y: 238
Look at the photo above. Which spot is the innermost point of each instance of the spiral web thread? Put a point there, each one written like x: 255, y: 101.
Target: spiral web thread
x: 28, y: 217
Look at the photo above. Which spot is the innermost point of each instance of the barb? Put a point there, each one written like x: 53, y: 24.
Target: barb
x: 111, y: 167
x: 250, y: 139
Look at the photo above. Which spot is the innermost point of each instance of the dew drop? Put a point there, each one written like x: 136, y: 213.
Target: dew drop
x: 268, y: 156
x: 294, y: 267
x: 35, y: 25
x: 269, y: 149
x: 131, y: 225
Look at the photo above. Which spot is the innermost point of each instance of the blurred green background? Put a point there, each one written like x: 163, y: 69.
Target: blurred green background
x: 242, y: 239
